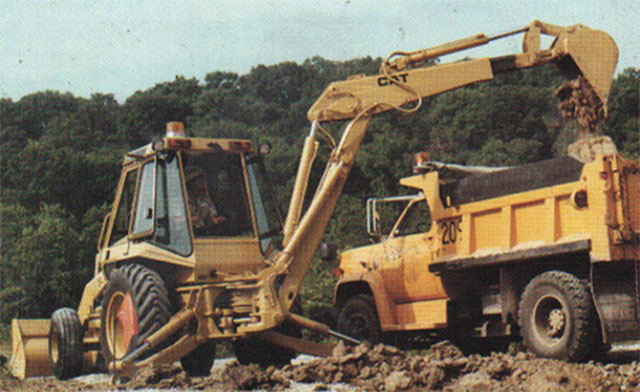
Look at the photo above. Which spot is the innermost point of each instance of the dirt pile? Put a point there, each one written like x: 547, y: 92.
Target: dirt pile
x: 381, y: 368
x: 578, y: 101
x: 386, y: 368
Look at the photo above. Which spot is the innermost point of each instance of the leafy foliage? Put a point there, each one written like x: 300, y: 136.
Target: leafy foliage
x: 60, y: 156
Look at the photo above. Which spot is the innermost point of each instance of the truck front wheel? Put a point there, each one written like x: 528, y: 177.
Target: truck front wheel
x: 556, y: 316
x: 359, y: 319
x: 135, y: 305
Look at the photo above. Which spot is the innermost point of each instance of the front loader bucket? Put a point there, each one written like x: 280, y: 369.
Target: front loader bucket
x: 30, y: 348
x: 596, y: 55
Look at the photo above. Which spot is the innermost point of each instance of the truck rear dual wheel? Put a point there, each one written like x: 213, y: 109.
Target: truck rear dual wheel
x: 359, y: 319
x: 135, y: 305
x: 557, y: 317
x: 65, y: 344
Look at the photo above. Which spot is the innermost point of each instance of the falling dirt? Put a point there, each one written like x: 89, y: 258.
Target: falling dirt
x: 578, y: 101
x: 381, y: 368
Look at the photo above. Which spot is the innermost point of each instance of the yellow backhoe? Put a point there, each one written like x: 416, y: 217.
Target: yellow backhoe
x: 190, y: 253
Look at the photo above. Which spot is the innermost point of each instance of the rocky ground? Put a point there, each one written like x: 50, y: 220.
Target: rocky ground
x: 381, y: 368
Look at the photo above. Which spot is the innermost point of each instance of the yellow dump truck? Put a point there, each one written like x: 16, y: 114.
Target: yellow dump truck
x: 194, y: 250
x: 549, y: 249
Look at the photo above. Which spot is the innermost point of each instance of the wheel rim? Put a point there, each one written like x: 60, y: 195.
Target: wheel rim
x: 551, y: 320
x: 54, y: 346
x: 121, y: 324
x: 358, y: 327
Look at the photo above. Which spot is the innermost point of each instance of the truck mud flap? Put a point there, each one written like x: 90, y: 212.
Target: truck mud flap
x: 615, y: 294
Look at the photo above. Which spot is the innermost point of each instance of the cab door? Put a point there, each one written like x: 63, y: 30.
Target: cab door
x: 117, y: 237
x: 408, y: 253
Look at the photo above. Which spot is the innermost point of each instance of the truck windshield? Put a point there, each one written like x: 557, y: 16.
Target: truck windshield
x: 265, y: 207
x: 416, y: 220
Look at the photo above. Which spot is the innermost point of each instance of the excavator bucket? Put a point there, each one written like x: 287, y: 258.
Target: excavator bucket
x: 596, y: 55
x: 30, y: 348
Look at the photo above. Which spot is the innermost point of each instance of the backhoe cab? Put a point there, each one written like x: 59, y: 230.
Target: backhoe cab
x: 190, y: 217
x: 185, y: 204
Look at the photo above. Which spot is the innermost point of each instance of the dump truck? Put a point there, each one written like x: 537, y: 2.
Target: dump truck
x: 549, y: 249
x: 190, y: 253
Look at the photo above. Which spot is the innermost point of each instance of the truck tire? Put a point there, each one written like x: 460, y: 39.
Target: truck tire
x: 198, y: 362
x: 65, y: 344
x: 556, y: 317
x: 135, y: 305
x: 359, y: 319
x: 255, y: 350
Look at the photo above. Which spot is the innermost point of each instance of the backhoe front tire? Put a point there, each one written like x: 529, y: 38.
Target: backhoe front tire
x: 65, y: 344
x: 359, y: 319
x: 134, y: 306
x: 198, y: 362
x: 557, y: 317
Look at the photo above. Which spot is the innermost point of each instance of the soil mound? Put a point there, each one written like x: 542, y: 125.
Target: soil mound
x: 386, y: 368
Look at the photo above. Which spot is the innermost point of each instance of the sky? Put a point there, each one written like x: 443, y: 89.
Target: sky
x: 120, y: 47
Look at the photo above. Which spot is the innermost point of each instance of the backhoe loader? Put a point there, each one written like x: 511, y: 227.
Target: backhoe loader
x: 190, y: 253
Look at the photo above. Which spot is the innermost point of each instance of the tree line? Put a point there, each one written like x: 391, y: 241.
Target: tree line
x: 60, y: 155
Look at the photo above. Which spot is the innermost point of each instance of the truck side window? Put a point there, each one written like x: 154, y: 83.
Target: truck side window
x: 416, y: 220
x: 123, y: 214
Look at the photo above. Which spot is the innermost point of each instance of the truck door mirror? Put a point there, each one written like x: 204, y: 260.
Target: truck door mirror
x: 373, y: 218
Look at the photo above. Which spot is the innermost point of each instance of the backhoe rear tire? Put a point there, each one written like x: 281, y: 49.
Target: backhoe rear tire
x: 198, y: 362
x: 359, y: 319
x: 134, y: 306
x: 557, y: 317
x: 65, y: 343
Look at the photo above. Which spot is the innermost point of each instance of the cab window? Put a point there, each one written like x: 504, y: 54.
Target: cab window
x: 172, y: 229
x: 143, y: 220
x: 416, y: 220
x: 123, y: 214
x: 266, y: 209
x: 217, y: 195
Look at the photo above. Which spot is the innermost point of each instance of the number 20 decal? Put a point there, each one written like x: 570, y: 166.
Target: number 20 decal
x: 450, y: 231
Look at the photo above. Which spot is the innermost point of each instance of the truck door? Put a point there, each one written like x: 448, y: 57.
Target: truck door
x: 408, y: 253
